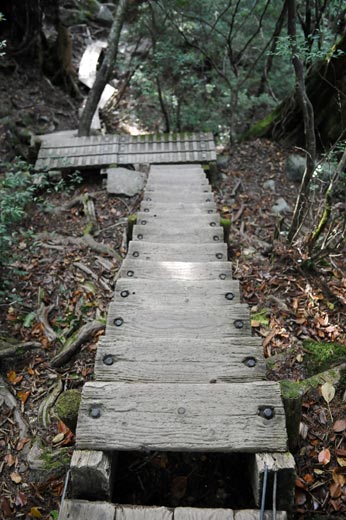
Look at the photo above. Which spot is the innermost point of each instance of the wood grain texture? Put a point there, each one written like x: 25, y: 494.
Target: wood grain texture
x: 172, y: 252
x: 164, y: 219
x: 176, y: 183
x: 181, y: 360
x: 180, y: 417
x: 194, y: 513
x: 150, y: 270
x: 188, y: 234
x: 170, y: 208
x: 177, y: 293
x: 92, y: 474
x: 84, y: 510
x: 143, y: 513
x: 182, y: 196
x: 254, y: 514
x: 159, y: 321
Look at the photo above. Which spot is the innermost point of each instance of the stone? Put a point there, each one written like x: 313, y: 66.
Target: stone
x: 295, y: 167
x: 269, y: 185
x: 104, y: 16
x: 122, y: 181
x: 67, y: 406
x: 222, y: 161
x: 280, y: 206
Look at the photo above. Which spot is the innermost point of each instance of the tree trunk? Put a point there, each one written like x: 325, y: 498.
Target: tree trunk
x: 105, y: 70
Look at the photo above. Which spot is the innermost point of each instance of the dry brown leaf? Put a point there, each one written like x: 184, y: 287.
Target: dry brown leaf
x: 179, y: 486
x: 341, y: 462
x: 324, y: 456
x: 335, y: 490
x: 328, y: 392
x: 15, y: 477
x: 339, y: 476
x: 339, y: 426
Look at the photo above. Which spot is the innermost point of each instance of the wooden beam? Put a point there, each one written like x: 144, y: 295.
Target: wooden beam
x: 92, y: 474
x: 83, y: 510
x: 173, y: 252
x: 136, y: 268
x: 191, y: 233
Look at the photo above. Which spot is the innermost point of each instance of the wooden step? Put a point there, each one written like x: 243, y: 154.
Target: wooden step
x: 184, y: 322
x: 136, y: 268
x: 195, y: 187
x: 182, y: 222
x: 179, y: 360
x: 171, y: 208
x: 177, y: 197
x: 84, y: 510
x: 173, y: 252
x: 190, y: 233
x: 164, y: 219
x: 182, y: 417
x: 176, y: 183
x: 178, y: 293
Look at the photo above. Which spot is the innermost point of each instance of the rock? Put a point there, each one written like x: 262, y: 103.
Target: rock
x: 122, y: 181
x: 295, y: 167
x: 35, y: 457
x: 280, y: 206
x: 269, y: 185
x: 222, y: 161
x: 104, y: 16
x: 67, y: 406
x: 46, y: 462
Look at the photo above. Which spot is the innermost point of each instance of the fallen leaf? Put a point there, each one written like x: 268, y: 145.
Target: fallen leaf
x: 318, y: 471
x: 58, y: 438
x: 178, y: 488
x: 300, y: 497
x: 328, y: 392
x: 13, y: 377
x: 5, y: 507
x: 339, y: 426
x: 340, y: 452
x: 35, y: 512
x: 300, y: 358
x: 300, y: 483
x: 324, y: 456
x: 341, y: 462
x: 21, y: 443
x: 255, y: 323
x: 10, y: 460
x: 335, y: 490
x: 309, y: 478
x: 15, y: 477
x: 21, y: 499
x: 23, y: 396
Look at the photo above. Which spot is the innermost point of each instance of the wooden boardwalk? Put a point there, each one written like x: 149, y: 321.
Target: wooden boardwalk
x: 177, y: 369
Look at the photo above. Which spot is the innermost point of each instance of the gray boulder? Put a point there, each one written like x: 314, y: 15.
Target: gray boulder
x: 295, y: 167
x: 121, y: 181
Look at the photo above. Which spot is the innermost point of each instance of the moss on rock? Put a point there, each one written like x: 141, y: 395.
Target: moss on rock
x: 321, y: 356
x: 67, y: 406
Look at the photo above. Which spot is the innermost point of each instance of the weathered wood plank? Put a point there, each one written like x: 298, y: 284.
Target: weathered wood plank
x: 143, y: 513
x: 180, y: 417
x: 167, y: 196
x: 134, y: 268
x: 187, y: 293
x: 160, y: 208
x: 167, y: 157
x: 176, y: 188
x: 184, y: 322
x: 194, y: 513
x: 178, y: 177
x: 190, y: 234
x: 92, y: 474
x: 179, y: 360
x: 211, y: 220
x: 168, y: 182
x: 254, y: 514
x: 172, y: 252
x: 284, y: 465
x: 83, y: 510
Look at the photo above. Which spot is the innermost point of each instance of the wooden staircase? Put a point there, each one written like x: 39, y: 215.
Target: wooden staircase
x: 177, y: 369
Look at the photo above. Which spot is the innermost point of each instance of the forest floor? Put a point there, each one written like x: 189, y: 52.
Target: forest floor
x: 54, y: 285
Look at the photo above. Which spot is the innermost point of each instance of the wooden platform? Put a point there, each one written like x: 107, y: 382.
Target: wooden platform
x: 178, y: 368
x: 101, y: 151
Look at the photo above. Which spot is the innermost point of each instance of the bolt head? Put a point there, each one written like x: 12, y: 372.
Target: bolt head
x: 216, y: 238
x: 124, y: 294
x: 108, y: 360
x: 239, y: 324
x: 222, y: 276
x: 140, y: 237
x: 229, y: 296
x: 148, y: 198
x: 250, y: 362
x: 143, y: 222
x: 219, y: 255
x: 135, y: 254
x: 146, y: 210
x: 118, y: 322
x: 212, y: 224
x: 267, y: 412
x: 95, y: 412
x: 210, y: 211
x: 130, y: 274
x: 181, y: 410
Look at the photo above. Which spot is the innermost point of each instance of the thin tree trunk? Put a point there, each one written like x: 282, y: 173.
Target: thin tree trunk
x: 163, y: 105
x: 309, y: 126
x: 105, y: 70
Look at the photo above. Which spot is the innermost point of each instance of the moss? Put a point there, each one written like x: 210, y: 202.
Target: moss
x: 320, y: 356
x: 67, y: 406
x: 226, y: 224
x: 131, y: 221
x: 291, y: 389
x: 55, y: 460
x: 261, y: 128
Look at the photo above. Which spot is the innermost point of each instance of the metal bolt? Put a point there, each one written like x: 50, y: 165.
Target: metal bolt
x: 222, y: 276
x: 140, y: 237
x: 250, y: 362
x: 148, y: 198
x: 210, y: 211
x: 212, y: 224
x: 124, y: 294
x: 267, y: 412
x: 207, y: 200
x: 143, y: 222
x: 239, y: 324
x: 108, y: 360
x: 130, y: 274
x: 229, y: 296
x: 95, y: 412
x: 118, y: 322
x: 216, y: 238
x: 146, y: 210
x: 181, y: 410
x: 219, y: 255
x: 135, y: 254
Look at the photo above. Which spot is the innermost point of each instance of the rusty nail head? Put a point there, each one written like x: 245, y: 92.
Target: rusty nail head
x: 95, y: 412
x: 108, y: 360
x: 124, y: 294
x: 118, y: 322
x: 229, y: 296
x: 130, y: 274
x: 239, y: 324
x: 135, y: 254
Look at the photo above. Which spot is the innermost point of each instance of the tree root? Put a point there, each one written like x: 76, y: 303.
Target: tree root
x: 71, y: 346
x: 8, y: 398
x: 42, y: 316
x: 82, y: 242
x: 48, y: 403
x: 16, y: 349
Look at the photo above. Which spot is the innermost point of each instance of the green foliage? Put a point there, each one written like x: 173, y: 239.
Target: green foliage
x: 323, y: 355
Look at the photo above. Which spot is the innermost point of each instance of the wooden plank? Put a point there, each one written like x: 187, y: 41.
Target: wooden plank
x: 181, y: 417
x: 174, y: 167
x: 194, y: 513
x: 171, y: 208
x: 167, y: 196
x: 178, y: 176
x: 167, y: 157
x: 142, y: 513
x: 254, y: 514
x: 172, y: 181
x: 134, y: 268
x: 190, y: 234
x: 224, y: 293
x: 92, y: 474
x: 172, y: 252
x: 179, y: 360
x: 184, y: 322
x: 83, y: 510
x: 195, y: 187
x: 164, y: 219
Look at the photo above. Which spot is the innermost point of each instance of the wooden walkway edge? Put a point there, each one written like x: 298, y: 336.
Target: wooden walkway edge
x: 178, y: 368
